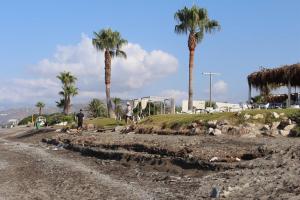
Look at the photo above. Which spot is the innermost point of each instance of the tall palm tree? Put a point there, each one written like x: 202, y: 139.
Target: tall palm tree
x: 195, y: 22
x: 68, y: 90
x: 111, y: 43
x: 40, y: 105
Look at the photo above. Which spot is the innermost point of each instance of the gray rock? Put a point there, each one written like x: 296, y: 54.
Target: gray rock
x: 215, y: 192
x: 210, y: 131
x: 275, y: 125
x: 265, y: 128
x: 118, y: 128
x: 217, y: 132
x: 258, y: 116
x: 275, y: 115
x: 289, y: 127
x: 212, y: 124
x: 247, y: 116
x: 194, y: 125
x: 284, y: 132
x: 222, y: 122
x: 198, y: 131
x: 284, y: 123
x: 274, y: 132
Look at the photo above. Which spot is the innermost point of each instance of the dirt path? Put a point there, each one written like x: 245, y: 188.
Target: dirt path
x: 31, y: 172
x: 31, y: 169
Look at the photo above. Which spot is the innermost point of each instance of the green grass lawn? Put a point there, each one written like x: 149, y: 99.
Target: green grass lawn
x: 178, y: 120
x: 182, y: 120
x: 104, y: 122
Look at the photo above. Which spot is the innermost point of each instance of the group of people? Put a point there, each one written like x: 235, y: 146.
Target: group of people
x: 128, y: 117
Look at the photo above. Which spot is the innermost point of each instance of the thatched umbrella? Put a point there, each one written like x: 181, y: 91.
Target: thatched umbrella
x: 268, y: 79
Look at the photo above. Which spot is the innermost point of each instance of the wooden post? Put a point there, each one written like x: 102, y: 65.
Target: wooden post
x: 149, y: 107
x: 172, y: 106
x: 249, y: 94
x: 289, y: 94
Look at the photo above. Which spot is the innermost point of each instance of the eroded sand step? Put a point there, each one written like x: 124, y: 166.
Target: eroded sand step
x: 124, y: 155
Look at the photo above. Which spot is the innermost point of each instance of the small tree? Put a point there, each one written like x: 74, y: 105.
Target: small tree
x: 118, y: 107
x: 210, y: 104
x: 40, y: 105
x: 97, y: 108
x: 178, y: 109
x: 68, y: 90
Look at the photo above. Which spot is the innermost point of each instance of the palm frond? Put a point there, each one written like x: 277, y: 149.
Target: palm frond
x: 121, y: 54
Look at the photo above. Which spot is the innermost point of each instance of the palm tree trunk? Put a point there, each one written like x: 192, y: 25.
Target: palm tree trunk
x: 191, y: 66
x: 66, y: 105
x: 192, y: 45
x: 40, y: 111
x: 110, y: 111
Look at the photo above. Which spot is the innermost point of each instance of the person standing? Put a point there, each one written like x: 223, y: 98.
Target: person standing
x: 128, y: 113
x: 80, y: 117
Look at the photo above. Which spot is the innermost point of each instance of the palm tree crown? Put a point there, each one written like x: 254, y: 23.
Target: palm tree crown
x: 40, y: 105
x: 196, y: 22
x: 108, y: 40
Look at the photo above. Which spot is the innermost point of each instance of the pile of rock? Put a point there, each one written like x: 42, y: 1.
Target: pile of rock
x: 284, y: 127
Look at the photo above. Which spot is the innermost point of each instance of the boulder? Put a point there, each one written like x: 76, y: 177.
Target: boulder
x: 284, y: 132
x: 90, y: 127
x: 275, y: 125
x: 265, y: 128
x: 284, y: 123
x: 215, y: 193
x: 198, y: 131
x: 247, y: 116
x: 210, y: 131
x: 250, y: 125
x: 274, y: 132
x: 214, y: 131
x: 212, y: 124
x: 213, y: 159
x: 258, y: 116
x: 118, y: 129
x: 217, y: 132
x: 289, y: 127
x: 275, y: 115
x: 222, y: 122
x: 194, y: 125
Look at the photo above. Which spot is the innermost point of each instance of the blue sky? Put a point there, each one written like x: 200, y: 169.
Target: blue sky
x: 254, y: 33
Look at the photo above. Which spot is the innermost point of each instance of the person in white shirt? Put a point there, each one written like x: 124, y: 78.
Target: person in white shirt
x: 128, y: 113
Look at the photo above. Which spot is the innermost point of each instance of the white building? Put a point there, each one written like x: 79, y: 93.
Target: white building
x: 220, y: 106
x: 196, y: 105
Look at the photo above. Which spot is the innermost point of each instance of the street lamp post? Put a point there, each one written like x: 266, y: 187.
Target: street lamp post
x: 210, y: 74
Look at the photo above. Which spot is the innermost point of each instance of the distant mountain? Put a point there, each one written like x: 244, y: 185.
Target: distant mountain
x: 20, y: 113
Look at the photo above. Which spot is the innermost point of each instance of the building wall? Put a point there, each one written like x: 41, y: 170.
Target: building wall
x: 196, y: 104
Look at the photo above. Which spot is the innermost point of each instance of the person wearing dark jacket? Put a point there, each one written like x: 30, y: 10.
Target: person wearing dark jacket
x: 80, y: 117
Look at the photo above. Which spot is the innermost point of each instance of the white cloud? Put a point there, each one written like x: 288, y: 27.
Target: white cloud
x: 20, y: 90
x: 220, y: 87
x: 141, y: 68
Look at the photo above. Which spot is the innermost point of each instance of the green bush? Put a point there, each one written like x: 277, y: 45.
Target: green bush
x: 59, y: 117
x: 27, y: 120
x: 51, y: 119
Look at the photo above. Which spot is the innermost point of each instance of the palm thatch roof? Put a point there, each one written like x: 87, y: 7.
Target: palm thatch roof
x: 275, y: 78
x: 280, y: 98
